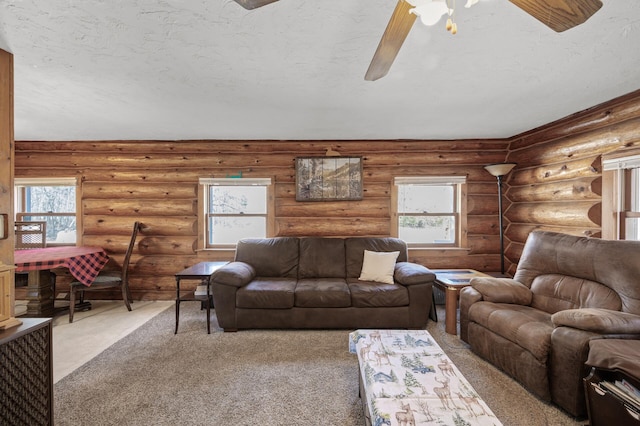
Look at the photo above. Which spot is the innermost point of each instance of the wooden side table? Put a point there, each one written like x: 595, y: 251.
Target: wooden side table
x: 202, y: 272
x: 451, y: 281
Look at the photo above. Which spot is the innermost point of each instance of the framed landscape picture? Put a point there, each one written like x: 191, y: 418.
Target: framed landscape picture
x: 328, y: 178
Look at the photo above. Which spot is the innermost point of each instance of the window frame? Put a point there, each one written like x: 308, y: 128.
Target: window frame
x: 19, y: 185
x: 203, y: 198
x: 459, y: 202
x: 620, y: 192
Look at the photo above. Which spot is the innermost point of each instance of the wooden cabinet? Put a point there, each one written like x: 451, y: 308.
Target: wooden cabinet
x: 26, y: 374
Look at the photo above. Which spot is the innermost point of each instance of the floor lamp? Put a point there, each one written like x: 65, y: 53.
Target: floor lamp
x: 499, y: 170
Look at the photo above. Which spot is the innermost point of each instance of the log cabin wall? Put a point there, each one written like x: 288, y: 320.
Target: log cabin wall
x: 557, y: 184
x: 157, y: 183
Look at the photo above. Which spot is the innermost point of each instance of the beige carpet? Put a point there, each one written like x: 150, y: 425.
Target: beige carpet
x: 254, y: 377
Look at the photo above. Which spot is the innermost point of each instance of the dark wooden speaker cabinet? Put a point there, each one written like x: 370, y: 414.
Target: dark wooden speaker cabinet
x: 26, y: 374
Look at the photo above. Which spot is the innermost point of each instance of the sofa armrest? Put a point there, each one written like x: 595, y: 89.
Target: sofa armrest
x: 236, y: 274
x: 603, y: 321
x: 408, y: 273
x: 502, y: 290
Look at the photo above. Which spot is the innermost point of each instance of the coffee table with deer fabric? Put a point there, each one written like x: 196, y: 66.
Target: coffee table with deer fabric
x: 407, y: 379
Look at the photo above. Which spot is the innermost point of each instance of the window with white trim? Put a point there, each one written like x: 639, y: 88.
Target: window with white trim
x: 621, y: 196
x: 430, y: 210
x: 52, y: 200
x: 235, y: 208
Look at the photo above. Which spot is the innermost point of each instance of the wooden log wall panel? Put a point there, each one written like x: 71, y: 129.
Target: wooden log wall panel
x: 376, y: 207
x: 584, y: 167
x: 569, y: 190
x: 590, y: 143
x: 332, y: 227
x: 135, y: 190
x: 156, y: 183
x: 612, y: 112
x: 518, y: 232
x: 557, y: 184
x: 134, y: 206
x: 122, y: 225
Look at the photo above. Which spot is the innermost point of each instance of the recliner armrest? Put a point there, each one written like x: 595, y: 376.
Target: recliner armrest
x: 502, y: 290
x: 236, y: 274
x: 603, y: 321
x: 408, y: 273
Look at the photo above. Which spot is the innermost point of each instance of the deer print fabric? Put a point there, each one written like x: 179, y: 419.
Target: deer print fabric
x: 410, y: 381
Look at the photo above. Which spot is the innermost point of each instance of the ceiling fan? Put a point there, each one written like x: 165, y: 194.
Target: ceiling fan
x: 559, y: 15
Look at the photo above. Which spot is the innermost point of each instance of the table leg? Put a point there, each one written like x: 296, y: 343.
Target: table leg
x: 177, y: 303
x: 39, y: 294
x: 451, y: 310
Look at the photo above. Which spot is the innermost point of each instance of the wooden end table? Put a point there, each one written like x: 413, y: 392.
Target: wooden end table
x: 202, y: 272
x: 451, y: 281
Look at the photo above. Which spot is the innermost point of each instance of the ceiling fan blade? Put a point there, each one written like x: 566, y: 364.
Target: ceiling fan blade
x: 397, y: 30
x: 559, y: 15
x: 254, y: 4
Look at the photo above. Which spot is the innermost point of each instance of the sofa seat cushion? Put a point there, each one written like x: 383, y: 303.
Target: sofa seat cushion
x: 525, y: 326
x: 267, y: 293
x: 367, y: 294
x: 322, y: 293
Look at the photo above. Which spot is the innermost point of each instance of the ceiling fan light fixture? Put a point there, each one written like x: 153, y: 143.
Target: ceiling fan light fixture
x: 429, y: 11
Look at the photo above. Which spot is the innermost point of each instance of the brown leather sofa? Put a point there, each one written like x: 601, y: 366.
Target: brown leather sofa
x: 313, y: 282
x: 536, y: 327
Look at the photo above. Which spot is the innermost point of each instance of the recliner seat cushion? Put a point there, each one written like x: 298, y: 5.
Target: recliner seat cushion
x: 525, y: 326
x: 373, y: 294
x: 322, y: 293
x: 267, y: 293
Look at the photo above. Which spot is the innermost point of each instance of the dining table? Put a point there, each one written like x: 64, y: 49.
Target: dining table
x: 83, y: 262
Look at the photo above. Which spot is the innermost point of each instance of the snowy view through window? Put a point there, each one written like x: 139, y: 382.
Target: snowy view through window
x: 426, y: 213
x: 237, y: 212
x: 55, y: 205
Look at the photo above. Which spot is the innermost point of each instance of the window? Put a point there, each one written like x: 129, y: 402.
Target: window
x: 52, y: 201
x: 235, y: 209
x: 621, y: 196
x: 430, y: 210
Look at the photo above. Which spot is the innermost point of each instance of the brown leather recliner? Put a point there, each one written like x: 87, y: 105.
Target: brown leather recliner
x: 566, y: 291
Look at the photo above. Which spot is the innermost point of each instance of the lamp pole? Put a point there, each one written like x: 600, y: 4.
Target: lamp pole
x: 499, y: 170
x: 500, y: 223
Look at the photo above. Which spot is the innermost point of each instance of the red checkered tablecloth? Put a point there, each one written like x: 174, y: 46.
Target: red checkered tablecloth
x: 84, y: 263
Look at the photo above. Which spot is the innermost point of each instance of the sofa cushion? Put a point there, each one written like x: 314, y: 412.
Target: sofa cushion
x: 373, y: 294
x: 270, y: 257
x: 322, y: 293
x: 355, y: 247
x: 267, y: 293
x: 321, y: 258
x: 378, y: 266
x: 555, y: 292
x: 525, y: 326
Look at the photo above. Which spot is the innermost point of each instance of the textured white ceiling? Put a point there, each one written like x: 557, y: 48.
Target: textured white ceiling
x: 208, y: 69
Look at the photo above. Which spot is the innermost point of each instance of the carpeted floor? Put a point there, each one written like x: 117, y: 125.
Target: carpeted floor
x: 253, y: 377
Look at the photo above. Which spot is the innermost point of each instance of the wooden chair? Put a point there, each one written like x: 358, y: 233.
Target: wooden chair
x: 30, y: 235
x: 106, y: 280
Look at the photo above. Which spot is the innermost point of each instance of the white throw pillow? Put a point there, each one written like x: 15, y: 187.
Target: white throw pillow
x: 378, y: 266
